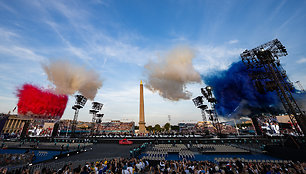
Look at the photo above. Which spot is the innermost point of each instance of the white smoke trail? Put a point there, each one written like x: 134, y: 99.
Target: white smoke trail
x: 69, y: 78
x: 171, y: 73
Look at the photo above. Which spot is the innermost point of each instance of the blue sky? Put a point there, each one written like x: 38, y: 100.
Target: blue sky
x: 117, y: 38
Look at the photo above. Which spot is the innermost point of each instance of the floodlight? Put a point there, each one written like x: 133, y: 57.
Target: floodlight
x: 97, y: 106
x: 212, y: 100
x: 75, y: 107
x: 100, y: 115
x: 198, y: 101
x: 93, y: 111
x: 80, y: 100
x: 204, y: 93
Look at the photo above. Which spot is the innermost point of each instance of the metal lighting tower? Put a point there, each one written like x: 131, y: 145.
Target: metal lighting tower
x: 198, y: 102
x: 213, y: 116
x: 96, y: 107
x: 79, y: 103
x: 268, y: 75
x: 99, y: 118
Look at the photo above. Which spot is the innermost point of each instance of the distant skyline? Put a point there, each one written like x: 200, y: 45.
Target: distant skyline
x: 117, y: 38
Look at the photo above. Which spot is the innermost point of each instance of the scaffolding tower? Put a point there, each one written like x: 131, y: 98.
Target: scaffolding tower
x: 268, y: 75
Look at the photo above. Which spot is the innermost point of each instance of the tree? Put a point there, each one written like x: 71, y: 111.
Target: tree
x: 149, y: 128
x: 167, y: 126
x: 157, y: 128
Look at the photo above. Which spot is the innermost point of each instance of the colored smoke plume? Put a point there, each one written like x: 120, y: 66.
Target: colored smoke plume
x: 236, y: 94
x: 171, y: 73
x: 37, y: 103
x: 69, y: 78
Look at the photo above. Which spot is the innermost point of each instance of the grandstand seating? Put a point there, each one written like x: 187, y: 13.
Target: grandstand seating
x: 160, y: 151
x: 218, y: 148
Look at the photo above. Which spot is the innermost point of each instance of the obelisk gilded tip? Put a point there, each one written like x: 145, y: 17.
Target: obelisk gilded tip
x: 141, y: 82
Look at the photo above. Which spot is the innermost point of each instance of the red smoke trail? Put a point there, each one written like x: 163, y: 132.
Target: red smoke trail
x: 40, y: 104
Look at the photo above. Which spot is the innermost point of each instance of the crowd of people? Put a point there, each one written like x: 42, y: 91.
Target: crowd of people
x: 40, y: 131
x: 206, y: 128
x: 270, y: 126
x: 15, y: 159
x: 117, y: 127
x: 104, y: 128
x: 136, y: 166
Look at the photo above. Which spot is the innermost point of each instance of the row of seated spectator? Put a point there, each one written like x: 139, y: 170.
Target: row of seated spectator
x: 135, y: 166
x: 218, y: 148
x: 160, y: 151
x: 186, y: 154
x: 169, y: 147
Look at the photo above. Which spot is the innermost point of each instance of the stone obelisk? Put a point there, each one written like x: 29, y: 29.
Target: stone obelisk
x: 142, y: 124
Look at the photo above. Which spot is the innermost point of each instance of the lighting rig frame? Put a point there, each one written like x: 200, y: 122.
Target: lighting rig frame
x: 267, y: 74
x: 96, y: 107
x: 213, y: 116
x: 198, y: 102
x: 79, y: 104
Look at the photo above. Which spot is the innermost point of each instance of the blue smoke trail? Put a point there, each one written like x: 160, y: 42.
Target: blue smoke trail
x: 233, y: 87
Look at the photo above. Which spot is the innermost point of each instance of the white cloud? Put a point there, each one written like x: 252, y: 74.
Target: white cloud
x: 7, y: 35
x: 6, y: 7
x: 95, y: 43
x: 215, y: 57
x: 7, y: 98
x: 302, y: 60
x: 7, y: 104
x: 9, y: 46
x: 21, y: 53
x: 126, y: 94
x: 233, y: 41
x: 101, y: 2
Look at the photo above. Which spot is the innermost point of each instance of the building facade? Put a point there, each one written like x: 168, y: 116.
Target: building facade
x: 14, y: 124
